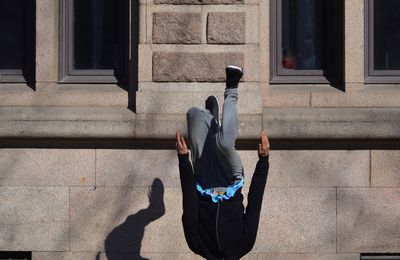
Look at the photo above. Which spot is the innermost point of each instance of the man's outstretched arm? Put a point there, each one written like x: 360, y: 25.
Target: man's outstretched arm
x: 189, y: 194
x: 256, y: 193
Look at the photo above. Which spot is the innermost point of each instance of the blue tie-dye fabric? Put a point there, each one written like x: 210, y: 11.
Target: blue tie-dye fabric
x: 229, y: 193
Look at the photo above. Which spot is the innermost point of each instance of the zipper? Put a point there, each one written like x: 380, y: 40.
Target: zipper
x: 216, y: 227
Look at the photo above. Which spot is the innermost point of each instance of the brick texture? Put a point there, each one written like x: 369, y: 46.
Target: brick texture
x: 368, y: 220
x: 385, y: 168
x: 319, y: 168
x: 47, y: 167
x: 226, y: 28
x: 176, y: 27
x: 297, y: 220
x: 189, y: 67
x: 33, y: 218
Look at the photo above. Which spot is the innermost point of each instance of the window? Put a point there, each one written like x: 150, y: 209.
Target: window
x: 382, y: 41
x: 9, y: 255
x: 94, y: 41
x: 380, y: 256
x: 307, y: 41
x: 17, y: 40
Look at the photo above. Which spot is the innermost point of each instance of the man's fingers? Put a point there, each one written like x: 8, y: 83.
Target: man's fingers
x: 179, y: 145
x: 183, y: 143
x: 263, y: 140
x: 178, y: 138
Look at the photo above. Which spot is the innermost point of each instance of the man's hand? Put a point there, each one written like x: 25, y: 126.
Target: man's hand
x: 263, y: 147
x: 180, y: 144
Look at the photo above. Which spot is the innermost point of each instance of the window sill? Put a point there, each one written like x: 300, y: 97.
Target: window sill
x: 302, y: 87
x: 118, y: 123
x: 332, y: 123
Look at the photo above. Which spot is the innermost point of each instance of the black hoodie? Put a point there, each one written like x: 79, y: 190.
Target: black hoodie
x: 221, y: 230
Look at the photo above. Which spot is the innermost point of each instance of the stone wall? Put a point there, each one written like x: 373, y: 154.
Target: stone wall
x: 185, y: 47
x: 79, y: 202
x: 86, y: 203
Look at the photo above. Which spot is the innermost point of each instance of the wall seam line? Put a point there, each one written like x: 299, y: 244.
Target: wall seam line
x: 336, y: 204
x: 69, y: 218
x: 95, y: 168
x: 370, y: 168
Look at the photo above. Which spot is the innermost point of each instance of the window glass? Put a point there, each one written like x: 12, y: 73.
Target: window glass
x: 302, y: 34
x: 13, y: 34
x: 387, y: 35
x: 97, y: 31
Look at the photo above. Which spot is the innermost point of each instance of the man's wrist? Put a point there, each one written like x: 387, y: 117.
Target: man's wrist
x: 183, y: 155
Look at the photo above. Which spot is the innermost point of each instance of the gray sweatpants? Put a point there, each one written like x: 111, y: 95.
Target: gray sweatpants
x: 215, y: 160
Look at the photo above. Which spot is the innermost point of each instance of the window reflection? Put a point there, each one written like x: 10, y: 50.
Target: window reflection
x: 97, y: 31
x: 387, y: 35
x: 302, y: 34
x: 13, y: 34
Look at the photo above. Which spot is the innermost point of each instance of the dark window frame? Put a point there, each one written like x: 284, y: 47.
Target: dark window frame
x: 334, y: 74
x: 376, y: 256
x: 14, y: 255
x: 27, y: 73
x: 67, y: 74
x: 372, y: 75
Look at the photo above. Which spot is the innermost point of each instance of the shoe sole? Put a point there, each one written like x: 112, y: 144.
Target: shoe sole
x: 218, y: 121
x: 234, y: 67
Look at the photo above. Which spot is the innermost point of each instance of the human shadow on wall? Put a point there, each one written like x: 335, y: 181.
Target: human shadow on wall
x: 127, y: 237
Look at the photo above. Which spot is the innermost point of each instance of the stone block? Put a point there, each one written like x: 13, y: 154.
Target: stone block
x: 16, y: 94
x: 120, y: 219
x: 52, y: 95
x: 226, y: 28
x: 385, y: 168
x: 183, y: 256
x: 110, y: 255
x: 142, y: 27
x: 385, y: 98
x: 189, y: 67
x: 291, y: 98
x: 34, y: 218
x: 81, y: 95
x: 341, y: 123
x: 319, y: 168
x: 264, y: 40
x: 177, y: 27
x: 145, y: 67
x: 159, y: 126
x: 267, y: 256
x: 354, y: 41
x: 47, y: 167
x: 46, y: 41
x: 297, y: 220
x: 252, y: 26
x: 249, y: 126
x: 198, y: 2
x: 68, y: 129
x: 65, y: 255
x: 163, y: 99
x: 249, y: 53
x: 368, y: 220
x: 137, y: 168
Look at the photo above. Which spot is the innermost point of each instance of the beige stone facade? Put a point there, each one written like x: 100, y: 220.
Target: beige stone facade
x: 76, y: 164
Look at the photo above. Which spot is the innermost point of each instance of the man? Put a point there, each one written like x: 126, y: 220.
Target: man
x: 214, y: 221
